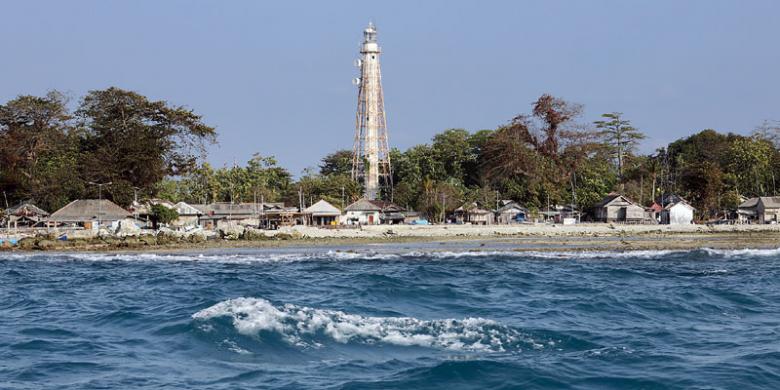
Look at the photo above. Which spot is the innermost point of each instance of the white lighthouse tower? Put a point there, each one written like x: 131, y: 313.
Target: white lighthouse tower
x: 371, y: 155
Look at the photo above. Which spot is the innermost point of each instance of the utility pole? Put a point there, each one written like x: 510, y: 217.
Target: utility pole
x: 135, y: 202
x: 262, y: 210
x: 100, y: 199
x: 6, y: 206
x: 443, y: 206
x: 548, y: 208
x: 342, y: 198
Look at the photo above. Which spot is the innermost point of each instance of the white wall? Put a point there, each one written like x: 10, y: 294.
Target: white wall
x: 362, y: 217
x: 680, y: 214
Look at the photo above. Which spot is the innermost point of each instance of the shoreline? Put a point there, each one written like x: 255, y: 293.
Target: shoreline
x: 601, y: 237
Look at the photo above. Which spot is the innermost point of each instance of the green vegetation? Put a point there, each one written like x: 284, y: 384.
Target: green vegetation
x: 51, y: 154
x: 163, y: 215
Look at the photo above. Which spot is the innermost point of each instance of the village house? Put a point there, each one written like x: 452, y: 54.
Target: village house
x: 510, y: 212
x: 89, y: 214
x: 654, y: 212
x: 566, y: 215
x: 24, y: 214
x: 142, y: 211
x: 747, y: 211
x: 188, y: 215
x: 765, y: 209
x: 413, y: 218
x: 391, y: 214
x: 264, y: 215
x: 618, y: 208
x: 322, y: 213
x: 363, y: 212
x: 678, y: 213
x: 473, y: 214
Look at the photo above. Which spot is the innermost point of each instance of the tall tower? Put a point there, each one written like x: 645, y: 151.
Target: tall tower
x: 371, y: 155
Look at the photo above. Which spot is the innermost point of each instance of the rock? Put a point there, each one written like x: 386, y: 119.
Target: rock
x: 283, y: 236
x: 45, y: 244
x: 231, y: 232
x: 147, y: 240
x: 164, y: 237
x: 27, y: 243
x: 127, y: 228
x: 196, y: 237
x: 254, y: 235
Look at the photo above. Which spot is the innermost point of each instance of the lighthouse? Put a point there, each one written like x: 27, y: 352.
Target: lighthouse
x: 371, y: 154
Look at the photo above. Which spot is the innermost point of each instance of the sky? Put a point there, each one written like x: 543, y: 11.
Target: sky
x: 274, y: 77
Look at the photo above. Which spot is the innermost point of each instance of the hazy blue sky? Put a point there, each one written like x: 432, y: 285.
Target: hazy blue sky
x: 274, y: 77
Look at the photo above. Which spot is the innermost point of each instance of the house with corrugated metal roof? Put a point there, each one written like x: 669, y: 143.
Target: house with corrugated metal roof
x: 677, y: 213
x: 764, y: 209
x: 265, y: 215
x: 322, y: 213
x: 363, y: 212
x: 474, y: 214
x: 24, y: 214
x: 511, y: 212
x: 618, y: 208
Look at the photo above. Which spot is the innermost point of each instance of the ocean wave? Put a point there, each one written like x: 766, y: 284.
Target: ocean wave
x: 741, y: 253
x: 303, y: 326
x: 362, y: 255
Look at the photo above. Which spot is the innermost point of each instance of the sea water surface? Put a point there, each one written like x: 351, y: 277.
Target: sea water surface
x: 391, y: 317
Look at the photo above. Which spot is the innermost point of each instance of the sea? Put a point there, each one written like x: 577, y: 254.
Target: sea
x: 391, y: 316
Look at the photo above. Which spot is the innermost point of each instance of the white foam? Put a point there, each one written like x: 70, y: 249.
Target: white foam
x: 298, y: 325
x: 741, y: 253
x: 349, y: 255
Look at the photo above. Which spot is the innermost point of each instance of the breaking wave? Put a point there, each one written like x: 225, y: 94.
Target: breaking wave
x: 362, y: 255
x: 739, y: 253
x: 302, y: 326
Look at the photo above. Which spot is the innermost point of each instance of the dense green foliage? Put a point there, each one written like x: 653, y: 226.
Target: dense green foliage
x: 51, y: 155
x: 163, y: 215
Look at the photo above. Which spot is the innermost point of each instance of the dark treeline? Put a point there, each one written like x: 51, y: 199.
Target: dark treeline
x: 549, y: 156
x: 53, y: 155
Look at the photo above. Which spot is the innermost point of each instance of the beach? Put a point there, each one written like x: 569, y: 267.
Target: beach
x: 530, y: 237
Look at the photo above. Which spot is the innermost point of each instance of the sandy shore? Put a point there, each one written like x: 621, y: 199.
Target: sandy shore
x: 583, y: 237
x: 533, y: 230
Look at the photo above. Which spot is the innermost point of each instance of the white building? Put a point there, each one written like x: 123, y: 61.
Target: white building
x: 188, y: 215
x: 363, y: 212
x: 679, y: 213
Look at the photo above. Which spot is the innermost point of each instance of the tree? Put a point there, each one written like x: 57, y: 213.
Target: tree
x: 453, y: 150
x: 134, y: 142
x: 749, y: 160
x: 162, y: 215
x: 535, y: 158
x: 554, y: 113
x: 620, y: 136
x: 38, y: 148
x: 337, y: 163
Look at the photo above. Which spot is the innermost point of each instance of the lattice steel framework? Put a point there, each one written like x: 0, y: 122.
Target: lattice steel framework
x: 371, y: 154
